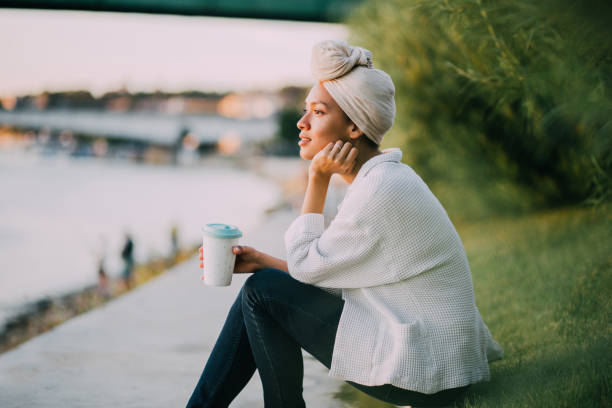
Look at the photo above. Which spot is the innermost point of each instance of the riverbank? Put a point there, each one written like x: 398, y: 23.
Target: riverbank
x: 42, y: 315
x: 63, y: 217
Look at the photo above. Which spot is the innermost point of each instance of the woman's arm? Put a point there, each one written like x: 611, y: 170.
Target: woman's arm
x: 316, y: 191
x: 345, y: 255
x: 274, y: 262
x: 249, y: 260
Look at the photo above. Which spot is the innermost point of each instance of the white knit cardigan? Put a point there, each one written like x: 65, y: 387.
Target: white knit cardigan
x: 409, y: 317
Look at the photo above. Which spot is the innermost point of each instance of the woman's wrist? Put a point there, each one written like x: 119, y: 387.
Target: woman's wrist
x: 317, y: 176
x: 260, y: 260
x: 268, y: 261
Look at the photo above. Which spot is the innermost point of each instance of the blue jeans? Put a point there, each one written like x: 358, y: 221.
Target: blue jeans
x: 273, y: 318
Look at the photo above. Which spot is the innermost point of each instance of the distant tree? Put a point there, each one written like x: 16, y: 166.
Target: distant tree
x: 293, y: 96
x: 79, y: 99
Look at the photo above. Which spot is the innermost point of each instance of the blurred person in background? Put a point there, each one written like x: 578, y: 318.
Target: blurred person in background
x: 104, y: 289
x: 383, y: 297
x: 174, y: 240
x: 127, y: 254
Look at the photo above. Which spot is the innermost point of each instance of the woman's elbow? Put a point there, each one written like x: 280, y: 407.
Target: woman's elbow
x: 301, y: 274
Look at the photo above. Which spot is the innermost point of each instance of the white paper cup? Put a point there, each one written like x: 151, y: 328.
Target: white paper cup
x: 219, y: 259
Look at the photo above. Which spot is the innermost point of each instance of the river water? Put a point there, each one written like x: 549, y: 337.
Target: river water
x: 59, y: 215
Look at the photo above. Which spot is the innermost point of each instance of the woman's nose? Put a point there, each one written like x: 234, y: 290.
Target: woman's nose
x: 302, y: 123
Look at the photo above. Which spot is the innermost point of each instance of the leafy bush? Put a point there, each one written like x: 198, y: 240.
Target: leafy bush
x: 507, y: 95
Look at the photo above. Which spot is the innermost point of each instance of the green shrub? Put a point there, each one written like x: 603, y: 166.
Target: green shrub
x: 509, y: 97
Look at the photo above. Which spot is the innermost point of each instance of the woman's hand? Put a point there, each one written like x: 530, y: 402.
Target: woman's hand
x: 336, y: 157
x: 248, y: 259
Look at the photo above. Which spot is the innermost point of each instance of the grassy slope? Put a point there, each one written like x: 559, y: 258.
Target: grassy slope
x: 543, y: 284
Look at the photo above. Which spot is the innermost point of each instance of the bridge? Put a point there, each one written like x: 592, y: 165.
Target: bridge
x: 303, y: 10
x: 146, y: 136
x: 143, y: 127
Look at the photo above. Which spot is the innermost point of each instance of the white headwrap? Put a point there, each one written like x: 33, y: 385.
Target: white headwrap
x: 365, y: 94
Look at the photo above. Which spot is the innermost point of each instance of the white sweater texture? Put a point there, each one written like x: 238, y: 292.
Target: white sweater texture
x: 409, y: 316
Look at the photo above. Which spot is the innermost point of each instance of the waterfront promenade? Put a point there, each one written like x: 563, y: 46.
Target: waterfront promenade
x: 146, y: 348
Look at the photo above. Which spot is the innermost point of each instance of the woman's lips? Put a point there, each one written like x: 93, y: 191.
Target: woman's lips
x: 303, y: 142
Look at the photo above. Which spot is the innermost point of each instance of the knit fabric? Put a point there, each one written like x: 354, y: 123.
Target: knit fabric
x: 409, y: 317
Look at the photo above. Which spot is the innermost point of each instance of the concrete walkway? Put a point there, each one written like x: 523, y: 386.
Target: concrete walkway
x: 146, y: 348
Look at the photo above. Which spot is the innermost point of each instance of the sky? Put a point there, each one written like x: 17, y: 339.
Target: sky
x: 60, y: 50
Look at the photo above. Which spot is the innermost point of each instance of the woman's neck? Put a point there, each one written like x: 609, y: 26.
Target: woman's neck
x: 365, y: 154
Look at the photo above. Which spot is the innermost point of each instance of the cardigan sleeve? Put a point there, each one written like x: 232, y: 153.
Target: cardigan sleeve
x: 345, y: 255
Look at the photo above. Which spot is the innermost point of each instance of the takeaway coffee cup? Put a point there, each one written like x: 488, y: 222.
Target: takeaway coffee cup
x: 219, y: 259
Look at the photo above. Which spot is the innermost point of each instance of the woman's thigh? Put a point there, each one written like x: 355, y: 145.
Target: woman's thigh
x: 307, y: 313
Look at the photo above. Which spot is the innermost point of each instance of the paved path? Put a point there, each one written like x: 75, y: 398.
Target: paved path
x: 146, y: 348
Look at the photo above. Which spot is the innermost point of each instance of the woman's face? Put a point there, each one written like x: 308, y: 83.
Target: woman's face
x: 323, y: 122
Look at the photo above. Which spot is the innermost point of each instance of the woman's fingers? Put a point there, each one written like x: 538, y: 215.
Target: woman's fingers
x: 244, y: 250
x: 352, y: 155
x: 343, y: 152
x: 328, y: 148
x: 338, y: 157
x: 336, y: 147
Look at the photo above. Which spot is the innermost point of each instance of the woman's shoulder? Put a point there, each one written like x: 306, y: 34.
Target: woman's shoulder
x: 390, y: 178
x: 384, y: 186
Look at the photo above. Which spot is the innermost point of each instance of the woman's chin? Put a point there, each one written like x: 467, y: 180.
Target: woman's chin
x: 304, y: 154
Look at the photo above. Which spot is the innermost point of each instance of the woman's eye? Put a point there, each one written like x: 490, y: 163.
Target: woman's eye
x: 316, y: 111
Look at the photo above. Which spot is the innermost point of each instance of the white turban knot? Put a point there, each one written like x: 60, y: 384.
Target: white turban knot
x: 365, y: 94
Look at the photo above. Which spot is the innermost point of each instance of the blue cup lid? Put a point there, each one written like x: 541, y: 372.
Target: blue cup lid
x: 221, y: 231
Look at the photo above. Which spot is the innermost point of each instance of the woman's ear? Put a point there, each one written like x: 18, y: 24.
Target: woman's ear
x: 354, y: 131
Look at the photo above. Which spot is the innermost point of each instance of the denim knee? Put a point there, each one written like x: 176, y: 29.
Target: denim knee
x: 260, y: 284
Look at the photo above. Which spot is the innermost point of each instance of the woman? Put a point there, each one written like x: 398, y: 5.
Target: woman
x: 383, y: 297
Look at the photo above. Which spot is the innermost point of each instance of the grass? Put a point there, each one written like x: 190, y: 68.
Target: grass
x: 543, y: 283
